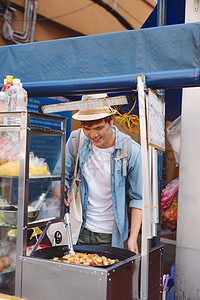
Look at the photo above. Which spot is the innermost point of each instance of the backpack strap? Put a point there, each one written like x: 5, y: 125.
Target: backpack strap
x: 80, y: 140
x: 127, y: 145
x: 74, y: 142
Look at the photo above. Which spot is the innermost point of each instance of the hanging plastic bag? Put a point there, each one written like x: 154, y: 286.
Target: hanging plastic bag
x: 169, y: 205
x: 174, y: 137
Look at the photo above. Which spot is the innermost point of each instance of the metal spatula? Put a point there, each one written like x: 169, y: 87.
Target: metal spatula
x: 69, y: 231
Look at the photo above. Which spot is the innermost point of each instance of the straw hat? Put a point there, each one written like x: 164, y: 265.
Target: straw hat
x: 90, y: 114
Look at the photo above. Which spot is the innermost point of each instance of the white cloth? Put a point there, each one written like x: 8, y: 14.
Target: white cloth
x: 100, y: 213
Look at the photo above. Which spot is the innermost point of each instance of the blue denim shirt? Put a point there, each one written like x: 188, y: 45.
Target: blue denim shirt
x: 119, y: 186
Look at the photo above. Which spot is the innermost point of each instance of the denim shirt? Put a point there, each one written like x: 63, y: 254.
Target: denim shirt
x: 119, y: 184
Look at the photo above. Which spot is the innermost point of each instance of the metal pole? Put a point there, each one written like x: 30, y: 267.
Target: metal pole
x: 162, y: 11
x: 62, y: 183
x: 146, y: 218
x: 154, y: 185
x: 21, y: 213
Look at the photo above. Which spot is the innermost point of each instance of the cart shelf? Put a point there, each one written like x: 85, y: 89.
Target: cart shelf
x: 37, y: 178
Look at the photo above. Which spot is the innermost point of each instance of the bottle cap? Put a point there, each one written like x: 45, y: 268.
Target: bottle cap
x: 16, y: 80
x: 9, y: 79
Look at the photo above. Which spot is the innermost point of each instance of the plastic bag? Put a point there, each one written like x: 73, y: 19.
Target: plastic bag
x: 76, y: 218
x: 9, y: 147
x: 174, y: 137
x: 37, y: 166
x: 169, y: 205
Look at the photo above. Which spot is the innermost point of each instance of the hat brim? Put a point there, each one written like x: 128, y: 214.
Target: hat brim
x: 92, y: 114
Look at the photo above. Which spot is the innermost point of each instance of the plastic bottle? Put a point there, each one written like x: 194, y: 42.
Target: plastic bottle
x: 15, y: 100
x: 2, y: 103
x: 8, y: 82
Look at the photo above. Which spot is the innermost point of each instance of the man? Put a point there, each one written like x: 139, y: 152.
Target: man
x: 103, y: 185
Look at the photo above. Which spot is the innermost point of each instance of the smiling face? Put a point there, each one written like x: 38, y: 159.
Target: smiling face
x: 101, y: 135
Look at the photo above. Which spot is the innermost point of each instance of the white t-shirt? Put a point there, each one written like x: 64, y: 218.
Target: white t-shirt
x: 100, y: 213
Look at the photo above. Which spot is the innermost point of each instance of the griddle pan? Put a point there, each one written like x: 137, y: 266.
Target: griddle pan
x: 109, y: 252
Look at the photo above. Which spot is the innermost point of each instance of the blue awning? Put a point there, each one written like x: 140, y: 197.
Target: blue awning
x: 168, y: 56
x: 156, y: 80
x: 159, y: 49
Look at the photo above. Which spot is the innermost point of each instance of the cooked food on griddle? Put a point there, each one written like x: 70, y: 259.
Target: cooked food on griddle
x: 86, y: 259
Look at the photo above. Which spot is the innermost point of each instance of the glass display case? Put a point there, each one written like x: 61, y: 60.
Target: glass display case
x: 29, y: 152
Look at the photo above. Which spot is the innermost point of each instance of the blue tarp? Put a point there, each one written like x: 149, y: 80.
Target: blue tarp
x: 167, y: 52
x: 149, y: 50
x: 175, y: 14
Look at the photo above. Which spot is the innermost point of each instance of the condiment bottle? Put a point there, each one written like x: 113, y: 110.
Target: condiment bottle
x: 8, y: 82
x: 15, y: 100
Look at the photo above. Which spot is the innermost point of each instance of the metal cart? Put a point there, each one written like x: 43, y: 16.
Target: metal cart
x: 32, y: 125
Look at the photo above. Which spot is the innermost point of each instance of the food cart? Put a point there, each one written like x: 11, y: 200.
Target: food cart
x: 37, y: 268
x: 107, y: 63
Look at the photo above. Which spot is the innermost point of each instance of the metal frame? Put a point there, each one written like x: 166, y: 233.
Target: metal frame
x: 74, y: 281
x: 22, y: 199
x: 68, y: 281
x: 146, y: 221
x: 150, y: 190
x: 150, y: 197
x: 150, y: 212
x: 25, y: 131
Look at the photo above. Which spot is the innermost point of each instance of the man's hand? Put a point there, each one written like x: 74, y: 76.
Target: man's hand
x: 132, y: 245
x: 56, y: 192
x: 67, y: 201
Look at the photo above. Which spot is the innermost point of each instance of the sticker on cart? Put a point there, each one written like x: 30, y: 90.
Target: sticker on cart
x: 58, y: 237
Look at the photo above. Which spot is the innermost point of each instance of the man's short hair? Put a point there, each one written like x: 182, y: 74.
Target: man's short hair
x: 94, y: 122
